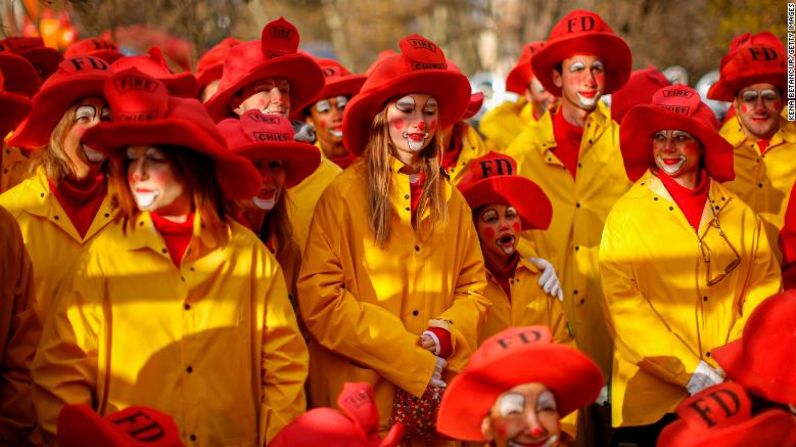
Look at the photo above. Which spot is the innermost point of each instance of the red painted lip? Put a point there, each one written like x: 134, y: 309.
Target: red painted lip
x: 338, y: 128
x: 671, y: 161
x: 531, y: 444
x: 416, y: 136
x: 144, y: 190
x: 588, y: 94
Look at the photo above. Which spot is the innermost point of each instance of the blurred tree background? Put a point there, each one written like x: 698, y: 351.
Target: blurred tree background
x: 479, y: 35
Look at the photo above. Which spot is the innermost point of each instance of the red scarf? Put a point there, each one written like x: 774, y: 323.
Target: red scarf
x: 81, y: 199
x: 568, y: 137
x: 451, y: 155
x: 690, y: 201
x: 503, y: 273
x: 344, y: 161
x: 416, y: 189
x: 176, y: 235
x: 763, y: 145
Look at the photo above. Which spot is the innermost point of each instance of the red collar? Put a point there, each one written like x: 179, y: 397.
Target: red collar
x: 81, y: 199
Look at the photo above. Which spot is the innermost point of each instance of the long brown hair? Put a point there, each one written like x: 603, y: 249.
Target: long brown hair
x: 277, y: 223
x: 377, y: 156
x: 196, y: 172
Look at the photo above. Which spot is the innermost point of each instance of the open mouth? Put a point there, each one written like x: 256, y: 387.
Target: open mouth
x: 506, y: 243
x: 336, y: 132
x: 92, y: 155
x: 549, y: 442
x: 264, y: 204
x: 145, y: 197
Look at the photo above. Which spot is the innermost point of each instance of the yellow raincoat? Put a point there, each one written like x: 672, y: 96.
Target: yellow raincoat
x: 213, y: 343
x: 764, y: 181
x: 366, y: 306
x: 664, y: 316
x: 580, y: 207
x: 501, y: 124
x: 19, y: 332
x: 472, y: 147
x: 305, y: 195
x: 13, y: 167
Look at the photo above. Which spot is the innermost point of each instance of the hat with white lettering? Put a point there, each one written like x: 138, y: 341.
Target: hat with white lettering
x: 154, y: 64
x: 419, y: 68
x: 722, y: 416
x: 753, y: 59
x: 257, y: 136
x: 512, y: 357
x: 80, y: 426
x: 583, y: 32
x: 675, y: 107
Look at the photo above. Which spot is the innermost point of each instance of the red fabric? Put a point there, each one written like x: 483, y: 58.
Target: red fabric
x: 176, y: 235
x: 752, y: 59
x: 789, y: 277
x: 568, y: 138
x: 762, y: 145
x: 502, y: 273
x: 690, y: 201
x: 344, y: 161
x: 454, y: 149
x: 416, y: 189
x: 81, y: 200
x: 445, y: 344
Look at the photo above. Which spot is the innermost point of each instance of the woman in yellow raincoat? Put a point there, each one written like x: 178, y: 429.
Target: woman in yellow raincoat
x: 392, y: 280
x: 683, y: 260
x: 176, y: 306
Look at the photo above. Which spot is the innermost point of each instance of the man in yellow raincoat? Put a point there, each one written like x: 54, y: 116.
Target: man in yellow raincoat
x: 753, y: 77
x: 683, y: 261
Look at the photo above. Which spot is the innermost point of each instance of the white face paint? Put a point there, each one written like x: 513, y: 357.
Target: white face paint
x: 676, y: 154
x: 587, y: 100
x: 412, y: 122
x: 87, y: 114
x: 264, y: 204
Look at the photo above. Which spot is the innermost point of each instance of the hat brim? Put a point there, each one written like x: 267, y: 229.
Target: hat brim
x: 45, y: 59
x: 450, y: 89
x: 304, y: 75
x: 574, y: 380
x: 642, y: 121
x: 20, y: 76
x: 209, y: 75
x: 237, y: 176
x: 730, y: 358
x: 726, y: 89
x: 183, y: 85
x: 773, y: 427
x: 49, y: 106
x: 531, y: 203
x: 15, y: 108
x: 519, y: 78
x: 300, y: 159
x: 611, y: 48
x: 349, y: 86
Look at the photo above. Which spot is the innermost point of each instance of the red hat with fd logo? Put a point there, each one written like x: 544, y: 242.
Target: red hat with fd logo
x: 43, y: 58
x: 76, y: 78
x: 257, y: 136
x: 420, y: 67
x: 15, y: 108
x: 275, y: 55
x: 338, y: 80
x: 519, y: 78
x: 758, y: 359
x: 145, y: 115
x: 493, y: 178
x: 154, y: 65
x: 95, y: 47
x: 80, y: 426
x: 211, y: 64
x: 676, y: 107
x: 583, y: 32
x: 512, y: 357
x: 356, y: 425
x: 722, y: 416
x: 753, y: 59
x: 638, y: 90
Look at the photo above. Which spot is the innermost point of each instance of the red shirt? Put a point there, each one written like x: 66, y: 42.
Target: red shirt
x: 504, y: 273
x: 81, y: 199
x: 568, y: 138
x: 690, y: 201
x: 454, y: 149
x: 344, y: 161
x: 416, y: 184
x: 762, y: 145
x: 176, y: 235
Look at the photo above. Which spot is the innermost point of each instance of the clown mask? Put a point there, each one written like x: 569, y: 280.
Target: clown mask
x: 273, y: 174
x: 582, y: 81
x: 412, y: 122
x: 498, y: 228
x: 525, y: 415
x: 153, y: 183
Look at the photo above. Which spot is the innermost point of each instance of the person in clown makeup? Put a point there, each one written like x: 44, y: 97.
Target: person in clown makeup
x: 175, y: 306
x: 392, y: 279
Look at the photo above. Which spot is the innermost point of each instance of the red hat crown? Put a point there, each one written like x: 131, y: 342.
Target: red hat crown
x: 333, y: 70
x: 153, y: 64
x: 422, y: 54
x: 79, y: 66
x: 90, y: 45
x: 716, y: 407
x: 520, y: 76
x: 23, y: 44
x: 279, y: 38
x: 490, y: 165
x: 683, y: 100
x: 135, y: 96
x: 211, y: 63
x: 509, y: 342
x: 638, y: 90
x: 753, y: 58
x: 257, y: 127
x: 579, y: 21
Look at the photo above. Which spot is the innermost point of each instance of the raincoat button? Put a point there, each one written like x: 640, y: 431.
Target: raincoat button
x: 704, y: 298
x: 107, y: 215
x: 671, y: 208
x: 408, y: 209
x: 406, y: 196
x: 577, y: 205
x: 56, y: 217
x: 707, y: 354
x: 417, y: 248
x: 577, y: 247
x: 187, y: 306
x: 575, y: 292
x: 655, y: 199
x: 415, y: 312
x: 193, y: 437
x: 759, y: 185
x: 189, y: 369
x: 582, y: 301
x: 164, y: 251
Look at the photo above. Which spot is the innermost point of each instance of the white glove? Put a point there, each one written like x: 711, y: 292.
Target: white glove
x: 548, y: 280
x: 704, y: 377
x: 602, y: 398
x: 436, y: 378
x: 434, y: 338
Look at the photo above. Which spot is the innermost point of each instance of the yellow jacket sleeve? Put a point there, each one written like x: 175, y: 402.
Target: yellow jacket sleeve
x: 361, y: 331
x: 284, y: 361
x: 640, y: 334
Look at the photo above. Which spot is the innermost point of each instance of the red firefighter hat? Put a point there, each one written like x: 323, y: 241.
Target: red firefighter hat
x: 476, y: 98
x: 722, y: 416
x: 80, y: 426
x: 356, y: 425
x: 211, y: 64
x: 154, y: 65
x: 675, y: 107
x: 758, y: 359
x: 76, y: 78
x: 638, y: 90
x: 43, y: 58
x: 519, y: 78
x: 338, y: 80
x: 257, y: 136
x: 583, y: 32
x: 96, y: 47
x: 493, y: 178
x: 753, y: 59
x: 20, y: 75
x: 15, y: 108
x: 275, y: 55
x: 420, y: 67
x: 144, y: 114
x: 512, y: 357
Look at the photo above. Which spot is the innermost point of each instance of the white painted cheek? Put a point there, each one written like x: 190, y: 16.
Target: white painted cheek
x: 93, y: 155
x: 264, y: 204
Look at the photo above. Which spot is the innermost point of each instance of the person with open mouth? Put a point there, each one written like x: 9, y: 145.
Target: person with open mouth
x: 516, y: 388
x: 175, y: 306
x: 683, y: 261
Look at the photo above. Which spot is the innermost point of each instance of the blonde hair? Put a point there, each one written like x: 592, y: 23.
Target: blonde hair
x: 377, y: 156
x: 52, y: 157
